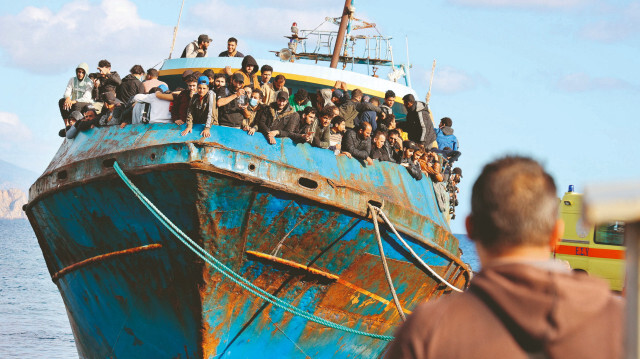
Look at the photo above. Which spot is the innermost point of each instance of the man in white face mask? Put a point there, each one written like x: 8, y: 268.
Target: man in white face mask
x: 250, y: 110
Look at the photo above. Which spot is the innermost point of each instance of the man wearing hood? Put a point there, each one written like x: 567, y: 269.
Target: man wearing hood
x: 249, y: 71
x: 278, y: 120
x: 445, y: 136
x: 323, y: 99
x: 131, y: 84
x: 522, y: 304
x: 77, y: 94
x: 419, y: 124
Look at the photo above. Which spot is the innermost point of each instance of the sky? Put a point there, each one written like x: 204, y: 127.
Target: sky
x: 557, y: 80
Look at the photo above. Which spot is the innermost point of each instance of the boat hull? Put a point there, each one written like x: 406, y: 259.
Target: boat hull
x: 132, y: 290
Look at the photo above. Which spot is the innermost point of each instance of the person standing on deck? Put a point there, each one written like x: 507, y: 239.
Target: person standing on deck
x: 232, y: 51
x: 522, y: 304
x: 197, y: 48
x: 419, y: 124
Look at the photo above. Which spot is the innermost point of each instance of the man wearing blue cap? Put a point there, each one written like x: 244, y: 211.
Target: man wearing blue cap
x: 200, y: 108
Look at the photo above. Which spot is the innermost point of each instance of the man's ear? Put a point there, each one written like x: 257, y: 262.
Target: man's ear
x: 556, y: 233
x: 469, y: 225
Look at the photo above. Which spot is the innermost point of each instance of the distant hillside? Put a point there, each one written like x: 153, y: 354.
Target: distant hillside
x: 12, y: 176
x: 11, y: 202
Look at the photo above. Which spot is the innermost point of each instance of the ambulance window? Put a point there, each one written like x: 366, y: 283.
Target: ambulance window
x: 610, y: 233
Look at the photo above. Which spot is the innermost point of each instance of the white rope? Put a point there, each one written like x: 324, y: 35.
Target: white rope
x: 425, y: 265
x: 386, y: 268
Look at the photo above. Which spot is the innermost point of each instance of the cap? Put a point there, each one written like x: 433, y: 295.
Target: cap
x: 238, y: 77
x: 203, y: 80
x: 204, y: 38
x: 76, y: 115
x: 163, y: 88
x: 186, y: 73
x: 282, y: 94
x: 109, y: 97
x: 457, y: 171
x: 338, y: 93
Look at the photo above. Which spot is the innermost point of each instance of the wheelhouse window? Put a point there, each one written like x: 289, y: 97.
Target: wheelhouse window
x: 610, y: 233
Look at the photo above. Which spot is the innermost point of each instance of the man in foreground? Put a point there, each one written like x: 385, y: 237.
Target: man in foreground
x: 522, y: 304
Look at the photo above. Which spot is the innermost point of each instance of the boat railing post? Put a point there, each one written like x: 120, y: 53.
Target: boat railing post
x: 621, y: 202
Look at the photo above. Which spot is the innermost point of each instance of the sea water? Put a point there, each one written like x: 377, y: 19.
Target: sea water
x: 33, y: 319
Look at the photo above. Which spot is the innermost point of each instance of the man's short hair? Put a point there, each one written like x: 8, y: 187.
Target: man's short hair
x: 393, y: 132
x: 280, y: 77
x: 447, y: 121
x: 356, y: 93
x: 154, y: 72
x: 327, y: 111
x: 258, y: 91
x: 301, y: 95
x: 408, y: 98
x: 337, y: 120
x: 363, y: 125
x: 137, y: 70
x: 513, y: 203
x: 209, y: 73
x: 379, y: 133
x: 190, y: 78
x: 388, y: 119
x: 389, y: 93
x: 217, y: 76
x: 265, y: 68
x: 374, y: 101
x: 310, y: 109
x: 104, y: 63
x: 232, y: 39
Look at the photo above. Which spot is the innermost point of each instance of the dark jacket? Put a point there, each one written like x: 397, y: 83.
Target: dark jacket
x: 129, y: 87
x: 114, y: 117
x: 302, y: 129
x: 231, y: 114
x: 322, y: 137
x: 419, y: 125
x: 380, y: 154
x: 413, y: 168
x: 349, y: 110
x: 367, y: 116
x: 108, y: 83
x: 395, y: 154
x: 446, y: 138
x: 358, y: 147
x: 546, y: 307
x: 199, y: 111
x: 180, y: 106
x: 285, y: 121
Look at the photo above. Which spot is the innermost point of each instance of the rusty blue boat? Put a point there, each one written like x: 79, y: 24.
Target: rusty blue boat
x: 293, y: 222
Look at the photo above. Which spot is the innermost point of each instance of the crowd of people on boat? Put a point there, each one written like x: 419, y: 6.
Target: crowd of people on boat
x: 349, y: 124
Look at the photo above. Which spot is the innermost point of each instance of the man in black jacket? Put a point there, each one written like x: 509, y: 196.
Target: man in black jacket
x: 358, y: 144
x: 419, y: 123
x: 278, y: 119
x: 378, y: 150
x: 131, y: 84
x: 307, y: 126
x: 104, y: 80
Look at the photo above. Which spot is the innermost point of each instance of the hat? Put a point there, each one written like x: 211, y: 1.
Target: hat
x: 76, y: 115
x: 203, y: 80
x: 186, y: 73
x: 238, y: 77
x: 457, y: 171
x: 109, y: 97
x: 163, y: 88
x: 204, y: 38
x: 282, y: 94
x: 338, y: 93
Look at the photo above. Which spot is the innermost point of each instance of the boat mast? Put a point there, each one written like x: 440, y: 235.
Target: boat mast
x: 340, y: 38
x: 175, y: 30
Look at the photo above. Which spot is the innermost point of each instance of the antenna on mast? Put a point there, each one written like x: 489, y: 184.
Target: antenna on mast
x: 175, y: 30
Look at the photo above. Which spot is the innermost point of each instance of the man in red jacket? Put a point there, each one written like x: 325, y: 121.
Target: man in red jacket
x: 522, y: 304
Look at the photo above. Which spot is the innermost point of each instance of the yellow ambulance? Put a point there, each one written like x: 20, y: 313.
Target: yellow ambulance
x: 597, y: 250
